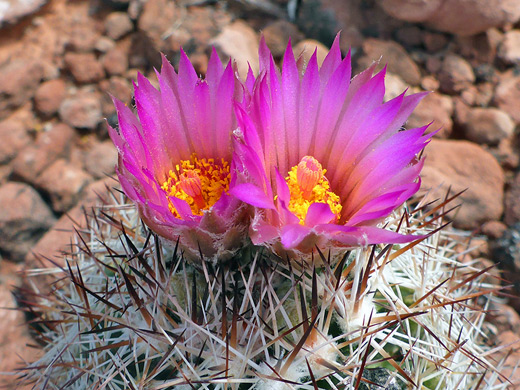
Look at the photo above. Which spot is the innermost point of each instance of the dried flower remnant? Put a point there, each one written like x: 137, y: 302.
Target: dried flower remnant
x: 325, y: 157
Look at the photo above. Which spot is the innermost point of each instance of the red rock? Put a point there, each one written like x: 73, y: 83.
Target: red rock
x: 509, y: 49
x: 461, y: 110
x: 82, y: 110
x: 509, y: 367
x: 306, y: 49
x: 49, y: 146
x: 14, y: 137
x: 85, y: 67
x: 433, y: 64
x: 350, y: 37
x: 16, y: 344
x: 205, y: 23
x: 18, y: 81
x: 240, y: 42
x: 49, y: 96
x: 166, y: 27
x: 394, y: 86
x: 101, y: 159
x: 409, y: 36
x: 393, y: 55
x: 117, y: 25
x: 437, y: 108
x: 469, y: 95
x: 463, y: 165
x: 25, y: 116
x: 346, y: 17
x: 478, y: 49
x: 24, y: 217
x: 464, y: 17
x: 178, y: 39
x: 278, y: 33
x: 104, y: 44
x: 429, y: 83
x: 59, y: 238
x: 455, y: 74
x: 200, y: 63
x: 115, y: 62
x: 504, y: 317
x: 63, y: 183
x: 507, y: 96
x: 14, y: 10
x: 493, y: 229
x: 411, y: 11
x: 157, y: 19
x: 512, y: 202
x: 484, y: 94
x: 118, y: 87
x: 434, y: 42
x: 507, y: 154
x: 488, y: 126
x: 81, y: 31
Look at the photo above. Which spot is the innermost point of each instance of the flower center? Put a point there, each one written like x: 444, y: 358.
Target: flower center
x: 307, y: 185
x: 200, y: 182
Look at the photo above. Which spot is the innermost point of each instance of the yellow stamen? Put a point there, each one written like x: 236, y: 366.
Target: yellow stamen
x: 200, y: 182
x: 307, y: 185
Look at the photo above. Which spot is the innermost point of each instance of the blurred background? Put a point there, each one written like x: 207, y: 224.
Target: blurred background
x: 61, y: 60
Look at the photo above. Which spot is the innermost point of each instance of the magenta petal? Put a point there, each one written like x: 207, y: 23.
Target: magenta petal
x: 382, y: 236
x: 187, y: 73
x: 262, y: 232
x: 129, y: 129
x: 292, y: 235
x: 182, y: 207
x: 332, y: 60
x: 264, y: 55
x: 116, y: 138
x: 330, y: 109
x: 252, y: 167
x: 319, y: 213
x: 290, y: 93
x: 173, y: 116
x: 282, y: 189
x: 224, y: 118
x: 364, y: 235
x: 378, y: 207
x: 408, y: 105
x: 309, y: 100
x: 168, y: 72
x: 215, y: 69
x: 252, y: 195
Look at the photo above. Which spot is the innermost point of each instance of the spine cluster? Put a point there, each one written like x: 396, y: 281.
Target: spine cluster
x: 128, y: 312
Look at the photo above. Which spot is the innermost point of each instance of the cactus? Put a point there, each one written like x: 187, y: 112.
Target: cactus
x: 129, y: 312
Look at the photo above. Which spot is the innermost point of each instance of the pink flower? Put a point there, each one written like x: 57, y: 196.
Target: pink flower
x: 326, y: 158
x: 176, y: 159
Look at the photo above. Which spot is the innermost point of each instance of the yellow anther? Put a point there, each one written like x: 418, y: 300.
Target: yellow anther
x: 308, y: 173
x: 199, y: 182
x: 307, y: 185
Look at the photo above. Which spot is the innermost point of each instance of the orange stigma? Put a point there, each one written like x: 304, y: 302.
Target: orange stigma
x: 307, y: 185
x: 199, y: 182
x: 308, y: 173
x: 189, y: 182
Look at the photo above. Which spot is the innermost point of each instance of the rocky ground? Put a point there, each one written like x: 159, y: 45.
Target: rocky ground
x: 61, y: 60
